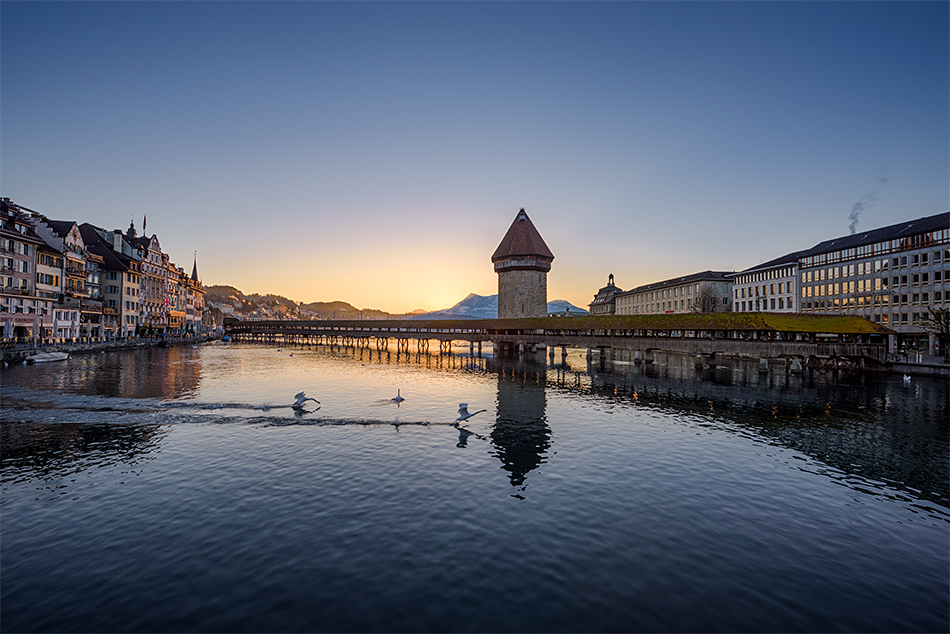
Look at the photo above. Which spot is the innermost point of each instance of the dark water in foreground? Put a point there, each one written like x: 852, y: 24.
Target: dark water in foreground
x: 174, y: 490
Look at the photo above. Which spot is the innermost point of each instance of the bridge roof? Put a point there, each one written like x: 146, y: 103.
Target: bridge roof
x: 762, y: 322
x: 522, y: 239
x: 774, y: 322
x: 723, y: 322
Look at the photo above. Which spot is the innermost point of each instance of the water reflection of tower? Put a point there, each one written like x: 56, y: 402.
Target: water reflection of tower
x: 521, y: 435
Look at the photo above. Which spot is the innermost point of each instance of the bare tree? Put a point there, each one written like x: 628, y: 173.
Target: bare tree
x: 706, y: 300
x: 938, y: 324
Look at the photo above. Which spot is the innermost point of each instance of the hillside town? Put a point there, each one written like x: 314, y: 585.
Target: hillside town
x: 65, y: 280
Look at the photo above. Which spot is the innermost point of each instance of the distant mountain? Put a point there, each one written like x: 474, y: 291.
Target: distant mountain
x: 472, y: 307
x: 561, y: 306
x: 342, y: 310
x: 486, y: 307
x: 233, y: 302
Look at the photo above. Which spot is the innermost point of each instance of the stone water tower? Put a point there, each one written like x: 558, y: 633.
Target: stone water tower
x: 522, y: 262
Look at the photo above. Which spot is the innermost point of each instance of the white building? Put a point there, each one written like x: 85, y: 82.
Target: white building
x: 709, y: 291
x: 768, y: 287
x: 893, y: 276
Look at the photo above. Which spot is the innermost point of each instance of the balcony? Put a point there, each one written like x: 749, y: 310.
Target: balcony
x: 11, y: 290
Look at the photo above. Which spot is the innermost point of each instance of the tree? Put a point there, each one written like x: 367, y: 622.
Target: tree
x: 937, y: 323
x: 706, y: 300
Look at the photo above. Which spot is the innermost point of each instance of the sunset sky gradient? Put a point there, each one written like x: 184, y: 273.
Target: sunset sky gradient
x: 376, y: 152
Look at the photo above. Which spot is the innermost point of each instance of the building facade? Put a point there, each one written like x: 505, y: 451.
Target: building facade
x: 605, y: 301
x: 62, y: 279
x: 20, y: 307
x: 894, y: 276
x: 769, y: 287
x: 522, y: 261
x: 709, y: 291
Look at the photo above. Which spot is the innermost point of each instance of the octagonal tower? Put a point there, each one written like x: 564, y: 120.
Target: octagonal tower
x: 522, y: 262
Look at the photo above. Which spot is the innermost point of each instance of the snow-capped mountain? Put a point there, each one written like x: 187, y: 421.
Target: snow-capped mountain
x: 486, y: 307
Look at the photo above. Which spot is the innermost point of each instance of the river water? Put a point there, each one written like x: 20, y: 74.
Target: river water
x: 175, y: 490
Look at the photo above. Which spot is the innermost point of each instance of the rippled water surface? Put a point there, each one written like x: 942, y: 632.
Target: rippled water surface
x: 176, y: 490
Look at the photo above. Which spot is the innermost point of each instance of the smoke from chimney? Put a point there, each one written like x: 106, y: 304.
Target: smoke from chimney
x: 867, y: 201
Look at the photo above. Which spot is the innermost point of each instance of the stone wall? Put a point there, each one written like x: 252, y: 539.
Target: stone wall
x: 522, y: 293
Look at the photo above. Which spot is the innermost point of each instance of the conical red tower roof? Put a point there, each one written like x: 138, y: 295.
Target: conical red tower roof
x: 522, y: 240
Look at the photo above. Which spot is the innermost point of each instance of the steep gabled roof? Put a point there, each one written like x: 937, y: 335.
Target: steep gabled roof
x: 522, y: 239
x: 60, y: 227
x: 111, y: 261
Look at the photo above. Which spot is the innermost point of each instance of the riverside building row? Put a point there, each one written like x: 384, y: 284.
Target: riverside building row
x: 61, y: 279
x: 894, y: 276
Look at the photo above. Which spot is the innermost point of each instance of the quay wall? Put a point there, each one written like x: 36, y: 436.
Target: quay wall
x: 17, y: 353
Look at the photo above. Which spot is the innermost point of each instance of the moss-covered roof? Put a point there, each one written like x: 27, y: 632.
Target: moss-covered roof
x: 762, y: 322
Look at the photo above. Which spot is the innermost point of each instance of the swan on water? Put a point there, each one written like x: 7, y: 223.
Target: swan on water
x: 398, y: 398
x: 301, y: 399
x: 463, y: 412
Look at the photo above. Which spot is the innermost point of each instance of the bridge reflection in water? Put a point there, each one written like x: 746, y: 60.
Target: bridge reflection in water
x: 866, y: 425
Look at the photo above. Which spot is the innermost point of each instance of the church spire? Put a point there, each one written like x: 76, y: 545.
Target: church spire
x: 194, y: 270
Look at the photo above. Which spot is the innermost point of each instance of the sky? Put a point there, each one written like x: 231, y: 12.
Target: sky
x: 377, y: 152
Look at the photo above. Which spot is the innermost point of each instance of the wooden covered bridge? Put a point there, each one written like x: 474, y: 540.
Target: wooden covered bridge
x: 790, y: 337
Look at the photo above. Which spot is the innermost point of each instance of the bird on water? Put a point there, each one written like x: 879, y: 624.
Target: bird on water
x: 464, y: 414
x: 301, y: 399
x: 398, y: 398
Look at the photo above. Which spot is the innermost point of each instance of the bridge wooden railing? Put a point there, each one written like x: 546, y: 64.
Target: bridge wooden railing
x: 742, y: 334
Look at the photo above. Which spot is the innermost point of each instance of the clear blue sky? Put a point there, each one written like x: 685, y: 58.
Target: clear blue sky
x: 377, y: 152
